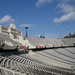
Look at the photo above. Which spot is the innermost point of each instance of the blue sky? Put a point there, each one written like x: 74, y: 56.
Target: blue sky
x: 43, y: 17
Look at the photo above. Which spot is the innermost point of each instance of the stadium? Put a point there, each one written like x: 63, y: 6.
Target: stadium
x: 35, y: 56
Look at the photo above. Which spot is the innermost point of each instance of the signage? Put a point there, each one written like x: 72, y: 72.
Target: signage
x: 22, y: 47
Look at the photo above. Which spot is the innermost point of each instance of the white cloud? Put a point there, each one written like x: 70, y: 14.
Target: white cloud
x: 41, y: 2
x: 6, y: 20
x: 66, y: 8
x: 68, y: 17
x: 25, y: 25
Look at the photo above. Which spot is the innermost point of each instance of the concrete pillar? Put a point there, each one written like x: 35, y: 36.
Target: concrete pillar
x: 9, y: 31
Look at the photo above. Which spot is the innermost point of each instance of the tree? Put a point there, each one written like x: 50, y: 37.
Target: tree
x: 74, y: 34
x: 66, y: 36
x: 70, y: 35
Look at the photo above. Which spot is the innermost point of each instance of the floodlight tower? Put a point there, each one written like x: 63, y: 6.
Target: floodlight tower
x: 26, y: 31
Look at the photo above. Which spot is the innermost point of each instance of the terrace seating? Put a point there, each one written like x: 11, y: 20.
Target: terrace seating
x: 1, y: 41
x: 20, y: 69
x: 33, y: 42
x: 66, y: 53
x: 30, y: 66
x: 72, y: 50
x: 45, y: 57
x: 39, y: 43
x: 54, y: 57
x: 11, y: 64
x: 7, y: 63
x: 60, y: 41
x: 3, y: 62
x: 40, y: 58
x: 4, y: 72
x: 28, y: 62
x: 1, y: 58
x: 55, y: 61
x: 7, y: 72
x: 16, y: 66
x: 8, y: 39
x: 42, y: 42
x: 8, y: 44
x: 52, y: 70
x: 68, y: 41
x: 60, y: 56
x: 50, y: 43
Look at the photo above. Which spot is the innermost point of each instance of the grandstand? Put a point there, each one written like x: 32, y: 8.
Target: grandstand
x: 35, y: 56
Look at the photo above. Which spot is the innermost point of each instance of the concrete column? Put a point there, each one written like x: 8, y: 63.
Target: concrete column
x: 9, y: 31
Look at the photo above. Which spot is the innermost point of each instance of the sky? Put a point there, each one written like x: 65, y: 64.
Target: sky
x: 50, y: 18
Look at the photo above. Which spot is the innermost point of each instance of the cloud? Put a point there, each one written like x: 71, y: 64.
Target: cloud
x: 66, y: 1
x: 6, y: 20
x: 68, y: 17
x: 42, y: 2
x: 25, y: 25
x: 66, y: 8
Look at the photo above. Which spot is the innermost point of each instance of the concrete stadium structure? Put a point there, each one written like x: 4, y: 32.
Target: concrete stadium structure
x: 44, y: 57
